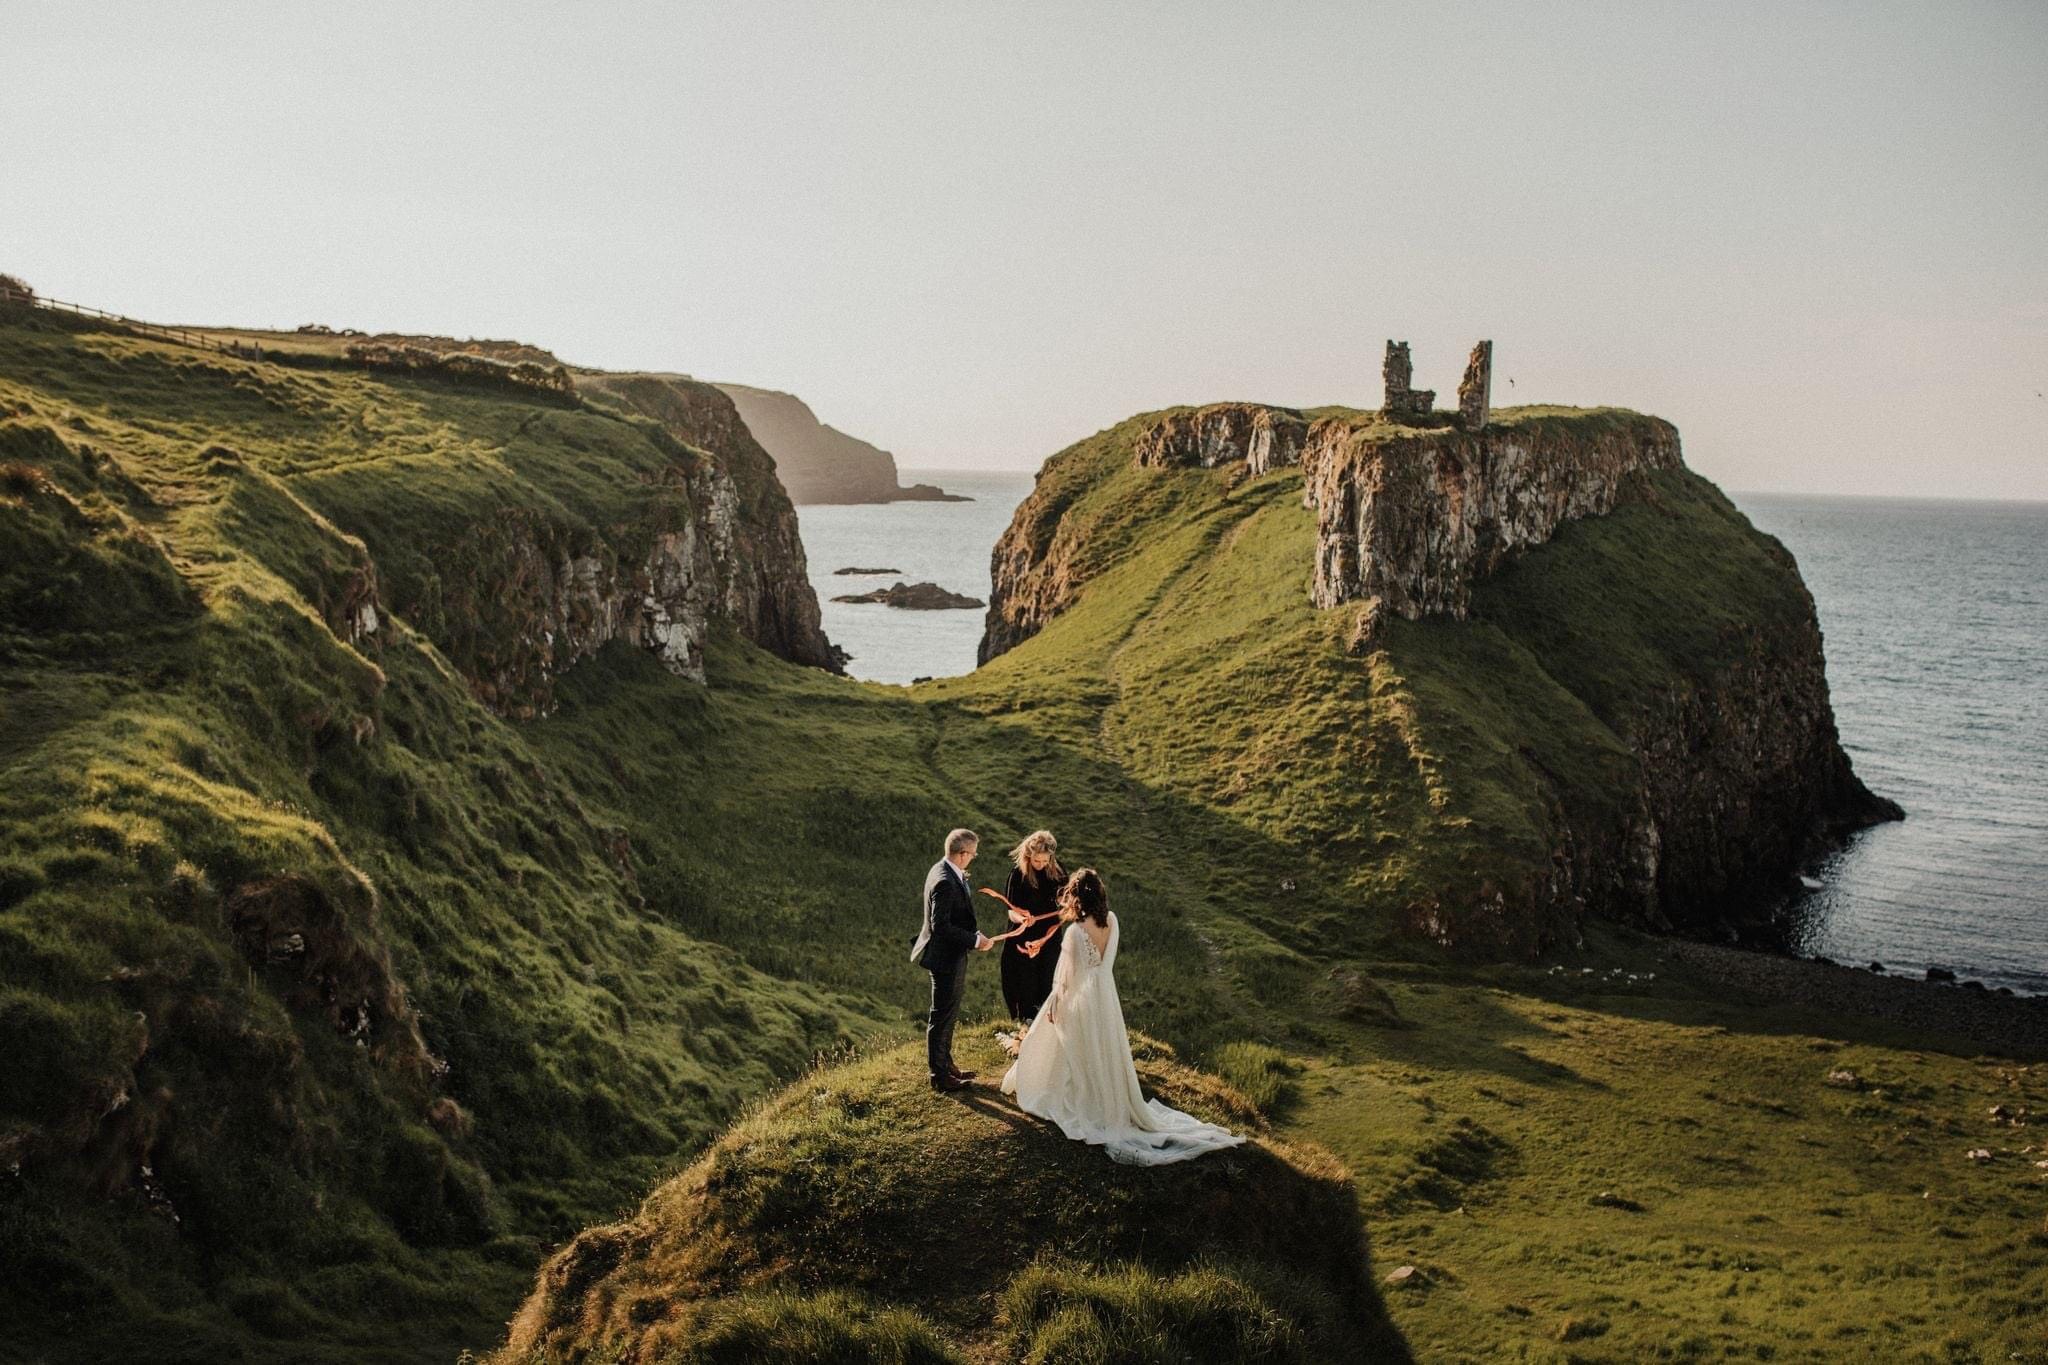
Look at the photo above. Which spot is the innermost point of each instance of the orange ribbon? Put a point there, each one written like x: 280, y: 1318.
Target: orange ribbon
x: 1021, y: 920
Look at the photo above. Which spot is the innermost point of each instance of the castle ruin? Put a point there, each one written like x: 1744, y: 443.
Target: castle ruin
x: 1400, y: 400
x: 1474, y: 390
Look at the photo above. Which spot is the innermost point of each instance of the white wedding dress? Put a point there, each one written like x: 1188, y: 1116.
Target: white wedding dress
x: 1075, y: 1067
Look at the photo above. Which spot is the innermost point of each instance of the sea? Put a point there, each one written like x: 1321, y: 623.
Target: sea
x: 1934, y: 615
x: 947, y: 543
x: 1935, y: 618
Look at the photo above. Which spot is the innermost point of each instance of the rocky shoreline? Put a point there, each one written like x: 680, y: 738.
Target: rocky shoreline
x: 2007, y: 1025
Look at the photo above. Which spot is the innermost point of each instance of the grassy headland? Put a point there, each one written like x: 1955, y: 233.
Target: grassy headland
x: 540, y: 966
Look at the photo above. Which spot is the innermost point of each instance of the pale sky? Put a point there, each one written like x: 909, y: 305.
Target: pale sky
x: 1814, y: 236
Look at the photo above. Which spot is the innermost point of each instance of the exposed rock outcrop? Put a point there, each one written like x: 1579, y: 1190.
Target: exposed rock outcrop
x: 521, y: 592
x: 761, y: 580
x: 916, y: 597
x: 818, y: 463
x: 537, y: 597
x: 1409, y: 519
x: 1262, y: 437
x: 1035, y: 569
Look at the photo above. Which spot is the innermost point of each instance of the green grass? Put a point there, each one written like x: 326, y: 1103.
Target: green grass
x: 1754, y: 1210
x: 575, y: 950
x: 917, y: 1218
x: 832, y: 1328
x: 1262, y: 1074
x: 181, y: 727
x: 1131, y: 1316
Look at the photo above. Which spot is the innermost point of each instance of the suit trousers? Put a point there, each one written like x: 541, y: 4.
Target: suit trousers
x: 949, y: 984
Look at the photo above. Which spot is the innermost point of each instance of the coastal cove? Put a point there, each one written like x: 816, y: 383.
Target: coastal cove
x: 947, y: 543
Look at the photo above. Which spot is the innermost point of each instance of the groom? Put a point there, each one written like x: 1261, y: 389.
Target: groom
x: 948, y: 936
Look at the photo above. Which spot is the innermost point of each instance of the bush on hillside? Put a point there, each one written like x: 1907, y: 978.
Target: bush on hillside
x: 463, y: 365
x: 817, y: 1329
x: 1075, y: 1313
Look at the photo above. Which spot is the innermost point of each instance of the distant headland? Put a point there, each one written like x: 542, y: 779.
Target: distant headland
x: 818, y: 463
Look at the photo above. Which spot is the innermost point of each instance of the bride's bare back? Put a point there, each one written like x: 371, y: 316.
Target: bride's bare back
x: 1098, y: 934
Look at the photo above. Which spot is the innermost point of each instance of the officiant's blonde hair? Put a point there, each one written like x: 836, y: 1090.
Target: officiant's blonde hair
x: 1034, y: 841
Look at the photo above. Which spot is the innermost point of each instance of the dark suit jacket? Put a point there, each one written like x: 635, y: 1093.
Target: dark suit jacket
x: 949, y: 929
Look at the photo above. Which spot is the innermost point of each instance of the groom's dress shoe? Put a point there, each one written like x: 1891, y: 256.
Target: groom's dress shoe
x: 948, y: 1083
x: 965, y: 1075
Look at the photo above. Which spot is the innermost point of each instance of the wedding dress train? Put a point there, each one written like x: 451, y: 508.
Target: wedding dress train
x: 1075, y: 1067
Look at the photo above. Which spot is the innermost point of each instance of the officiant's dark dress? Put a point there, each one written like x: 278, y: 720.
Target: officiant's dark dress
x: 1027, y: 980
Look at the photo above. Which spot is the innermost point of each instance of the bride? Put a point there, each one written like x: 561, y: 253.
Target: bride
x: 1074, y: 1066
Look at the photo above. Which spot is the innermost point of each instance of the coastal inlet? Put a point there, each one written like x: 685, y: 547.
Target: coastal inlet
x: 947, y: 543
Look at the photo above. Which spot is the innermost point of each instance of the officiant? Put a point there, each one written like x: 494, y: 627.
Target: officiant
x: 1033, y: 887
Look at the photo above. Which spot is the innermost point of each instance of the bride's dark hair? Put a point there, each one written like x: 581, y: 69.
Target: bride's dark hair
x: 1084, y: 895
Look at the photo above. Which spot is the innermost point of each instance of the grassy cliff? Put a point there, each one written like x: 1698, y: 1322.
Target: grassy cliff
x: 333, y: 1001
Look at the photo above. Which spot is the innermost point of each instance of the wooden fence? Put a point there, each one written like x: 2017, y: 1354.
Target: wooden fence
x: 181, y: 335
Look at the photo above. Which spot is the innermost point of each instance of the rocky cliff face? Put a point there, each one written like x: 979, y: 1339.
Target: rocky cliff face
x: 1035, y: 569
x: 1262, y: 438
x: 518, y: 596
x: 1409, y: 521
x: 761, y: 580
x: 1740, y: 780
x: 817, y: 463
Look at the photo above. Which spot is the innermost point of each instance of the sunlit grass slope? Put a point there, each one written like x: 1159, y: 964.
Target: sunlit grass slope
x: 1626, y: 1171
x: 324, y: 1001
x: 1579, y: 1168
